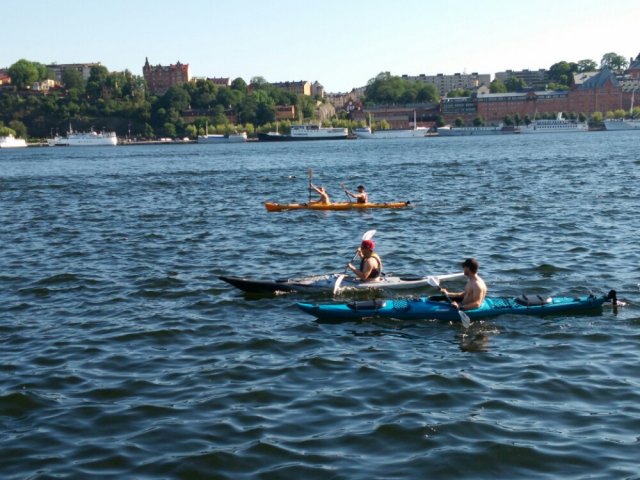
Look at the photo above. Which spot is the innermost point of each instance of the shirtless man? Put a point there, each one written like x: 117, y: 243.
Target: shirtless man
x: 324, y: 196
x: 361, y: 196
x: 474, y: 291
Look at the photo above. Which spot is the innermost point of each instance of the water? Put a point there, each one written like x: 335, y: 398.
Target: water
x: 123, y: 355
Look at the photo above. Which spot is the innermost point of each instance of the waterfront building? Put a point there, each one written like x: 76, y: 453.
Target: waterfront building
x: 160, y: 78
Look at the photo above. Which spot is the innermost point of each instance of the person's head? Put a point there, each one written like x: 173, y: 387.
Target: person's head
x: 360, y: 188
x: 472, y: 264
x: 367, y: 245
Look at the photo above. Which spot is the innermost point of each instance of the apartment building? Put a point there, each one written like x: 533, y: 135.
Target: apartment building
x: 160, y: 78
x: 83, y: 68
x: 536, y: 79
x: 446, y: 83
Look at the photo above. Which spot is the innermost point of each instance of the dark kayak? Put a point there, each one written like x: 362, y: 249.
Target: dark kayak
x: 427, y: 308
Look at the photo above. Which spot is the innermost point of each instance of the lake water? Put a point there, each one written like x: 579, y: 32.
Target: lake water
x: 123, y: 355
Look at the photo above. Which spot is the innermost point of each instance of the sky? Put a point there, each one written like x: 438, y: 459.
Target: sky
x: 340, y: 43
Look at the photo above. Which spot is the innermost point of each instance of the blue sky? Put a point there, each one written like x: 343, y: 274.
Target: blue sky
x: 341, y: 44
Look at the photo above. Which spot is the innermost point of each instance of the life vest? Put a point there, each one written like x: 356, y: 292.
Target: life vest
x: 376, y: 272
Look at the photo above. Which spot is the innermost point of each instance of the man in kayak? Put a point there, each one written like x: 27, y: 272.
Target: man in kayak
x: 370, y: 263
x: 361, y: 196
x: 324, y: 196
x: 474, y: 291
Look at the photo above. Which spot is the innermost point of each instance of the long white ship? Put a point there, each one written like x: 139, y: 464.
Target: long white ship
x: 554, y: 126
x: 622, y: 124
x: 220, y: 138
x: 449, y: 131
x: 12, y: 142
x: 367, y: 133
x: 84, y: 139
x: 306, y: 132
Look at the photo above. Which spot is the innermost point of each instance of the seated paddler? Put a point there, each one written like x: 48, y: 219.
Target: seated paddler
x: 474, y: 291
x: 370, y: 263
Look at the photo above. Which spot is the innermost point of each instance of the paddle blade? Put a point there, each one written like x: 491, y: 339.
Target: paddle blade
x: 336, y: 286
x: 434, y: 282
x: 368, y: 235
x: 464, y: 318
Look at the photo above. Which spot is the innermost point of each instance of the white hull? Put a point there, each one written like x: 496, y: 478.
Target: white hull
x: 448, y: 131
x: 88, y: 139
x: 366, y: 133
x: 313, y: 131
x: 554, y: 126
x: 230, y: 138
x: 622, y: 124
x: 11, y: 142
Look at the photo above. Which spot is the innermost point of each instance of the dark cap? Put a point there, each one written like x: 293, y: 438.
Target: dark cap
x: 472, y: 263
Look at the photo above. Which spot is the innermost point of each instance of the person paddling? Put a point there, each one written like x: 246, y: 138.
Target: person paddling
x: 370, y: 264
x: 474, y: 291
x: 324, y: 196
x: 361, y: 197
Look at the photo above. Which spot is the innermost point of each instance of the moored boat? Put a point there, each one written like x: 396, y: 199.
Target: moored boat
x: 9, y: 141
x: 327, y: 283
x: 558, y: 125
x: 223, y: 138
x: 306, y: 132
x: 366, y: 133
x: 622, y: 124
x: 426, y: 308
x: 84, y: 139
x: 278, y: 207
x: 449, y: 131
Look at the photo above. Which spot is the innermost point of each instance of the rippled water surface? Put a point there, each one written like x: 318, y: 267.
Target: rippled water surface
x: 123, y: 355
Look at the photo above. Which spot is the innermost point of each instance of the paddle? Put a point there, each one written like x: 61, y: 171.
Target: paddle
x: 309, y: 176
x: 368, y: 235
x: 345, y: 192
x: 464, y: 318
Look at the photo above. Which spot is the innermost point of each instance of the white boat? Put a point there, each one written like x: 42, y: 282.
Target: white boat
x: 449, y: 131
x: 83, y: 139
x: 622, y: 124
x: 306, y: 132
x: 220, y: 138
x: 558, y: 125
x: 367, y: 134
x: 12, y: 142
x: 335, y: 283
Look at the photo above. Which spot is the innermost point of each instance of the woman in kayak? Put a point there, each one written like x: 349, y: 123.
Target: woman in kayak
x: 474, y: 291
x: 324, y: 196
x: 361, y: 196
x: 370, y: 265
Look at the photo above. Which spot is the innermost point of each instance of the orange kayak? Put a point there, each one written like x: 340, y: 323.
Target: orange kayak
x: 278, y: 207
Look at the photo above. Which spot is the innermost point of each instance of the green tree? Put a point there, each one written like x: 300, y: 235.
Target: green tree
x: 459, y: 93
x: 72, y: 78
x: 24, y: 73
x: 587, y: 66
x: 497, y: 86
x: 459, y: 122
x: 614, y: 62
x: 515, y: 84
x: 562, y: 72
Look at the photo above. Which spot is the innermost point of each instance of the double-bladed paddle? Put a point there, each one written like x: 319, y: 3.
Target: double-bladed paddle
x: 464, y: 318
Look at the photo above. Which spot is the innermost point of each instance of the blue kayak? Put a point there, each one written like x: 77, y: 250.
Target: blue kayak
x: 428, y: 308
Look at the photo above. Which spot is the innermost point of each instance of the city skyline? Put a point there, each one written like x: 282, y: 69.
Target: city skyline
x: 340, y: 45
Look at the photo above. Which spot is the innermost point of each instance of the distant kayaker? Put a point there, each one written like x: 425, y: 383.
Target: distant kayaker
x: 361, y: 196
x: 474, y: 291
x: 324, y: 196
x: 370, y: 263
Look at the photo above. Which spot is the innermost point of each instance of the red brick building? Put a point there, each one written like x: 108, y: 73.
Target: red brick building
x: 160, y: 79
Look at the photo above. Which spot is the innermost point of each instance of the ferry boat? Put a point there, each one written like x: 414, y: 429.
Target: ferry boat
x: 10, y: 141
x: 449, y: 131
x: 558, y: 125
x: 367, y: 134
x: 306, y: 132
x: 622, y: 124
x: 84, y: 139
x: 226, y: 138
